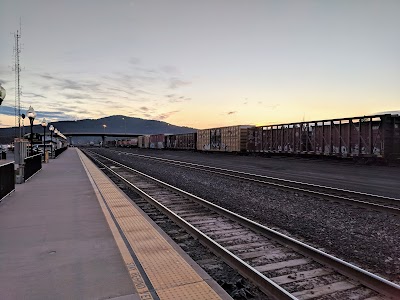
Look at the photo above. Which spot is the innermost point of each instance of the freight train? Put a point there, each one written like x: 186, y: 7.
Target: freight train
x: 184, y: 141
x: 375, y: 136
x: 124, y: 143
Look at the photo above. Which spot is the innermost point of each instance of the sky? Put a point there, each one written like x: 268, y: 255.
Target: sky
x: 203, y: 63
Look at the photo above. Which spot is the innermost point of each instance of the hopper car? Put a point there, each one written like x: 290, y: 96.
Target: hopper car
x: 361, y: 137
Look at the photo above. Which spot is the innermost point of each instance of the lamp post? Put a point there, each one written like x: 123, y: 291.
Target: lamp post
x: 2, y: 96
x: 51, y: 128
x: 44, y: 125
x: 56, y: 134
x: 31, y: 114
x: 124, y: 124
x: 104, y: 136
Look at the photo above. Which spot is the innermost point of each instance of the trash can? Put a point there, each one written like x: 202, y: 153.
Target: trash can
x: 3, y: 155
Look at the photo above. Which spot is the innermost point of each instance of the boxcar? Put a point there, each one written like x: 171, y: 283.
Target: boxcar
x: 144, y: 141
x: 368, y: 136
x: 111, y: 143
x: 224, y: 139
x: 184, y: 141
x: 170, y: 141
x: 141, y: 141
x: 157, y: 141
x: 132, y: 143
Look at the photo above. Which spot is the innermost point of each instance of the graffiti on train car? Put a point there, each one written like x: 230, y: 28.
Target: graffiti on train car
x: 368, y: 136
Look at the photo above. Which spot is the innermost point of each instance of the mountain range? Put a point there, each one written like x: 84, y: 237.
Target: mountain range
x: 113, y: 124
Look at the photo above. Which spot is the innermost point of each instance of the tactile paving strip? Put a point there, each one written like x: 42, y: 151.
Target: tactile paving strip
x: 171, y: 276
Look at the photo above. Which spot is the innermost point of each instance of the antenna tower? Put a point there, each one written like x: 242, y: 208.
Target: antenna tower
x: 17, y: 70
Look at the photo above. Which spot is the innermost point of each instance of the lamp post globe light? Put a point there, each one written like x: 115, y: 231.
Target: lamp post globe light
x: 44, y: 124
x: 2, y: 94
x: 51, y: 128
x: 31, y: 114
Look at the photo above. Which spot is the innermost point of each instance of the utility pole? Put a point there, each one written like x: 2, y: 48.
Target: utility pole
x: 17, y: 70
x: 20, y: 146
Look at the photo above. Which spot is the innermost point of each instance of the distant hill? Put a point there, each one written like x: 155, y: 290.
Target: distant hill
x: 115, y: 124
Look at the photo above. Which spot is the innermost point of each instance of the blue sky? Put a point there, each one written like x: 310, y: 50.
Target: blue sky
x: 203, y: 63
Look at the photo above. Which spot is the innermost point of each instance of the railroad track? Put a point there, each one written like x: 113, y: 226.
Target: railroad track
x: 365, y: 200
x: 280, y: 266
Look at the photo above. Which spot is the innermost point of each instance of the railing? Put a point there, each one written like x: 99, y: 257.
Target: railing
x: 7, y: 179
x: 32, y: 165
x: 59, y: 151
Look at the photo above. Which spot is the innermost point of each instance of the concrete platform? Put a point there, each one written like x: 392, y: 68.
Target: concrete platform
x: 60, y: 239
x: 54, y: 241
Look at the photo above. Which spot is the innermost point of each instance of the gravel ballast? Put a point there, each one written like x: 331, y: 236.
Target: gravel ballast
x: 365, y: 238
x: 238, y: 287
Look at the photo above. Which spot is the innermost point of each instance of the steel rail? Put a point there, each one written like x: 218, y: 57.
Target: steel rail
x: 368, y: 279
x: 264, y: 283
x: 380, y: 197
x: 260, y: 179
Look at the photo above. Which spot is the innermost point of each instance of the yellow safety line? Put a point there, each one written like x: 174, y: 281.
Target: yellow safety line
x: 134, y: 273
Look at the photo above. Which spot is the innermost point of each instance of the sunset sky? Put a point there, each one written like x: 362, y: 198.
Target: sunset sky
x: 202, y: 63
